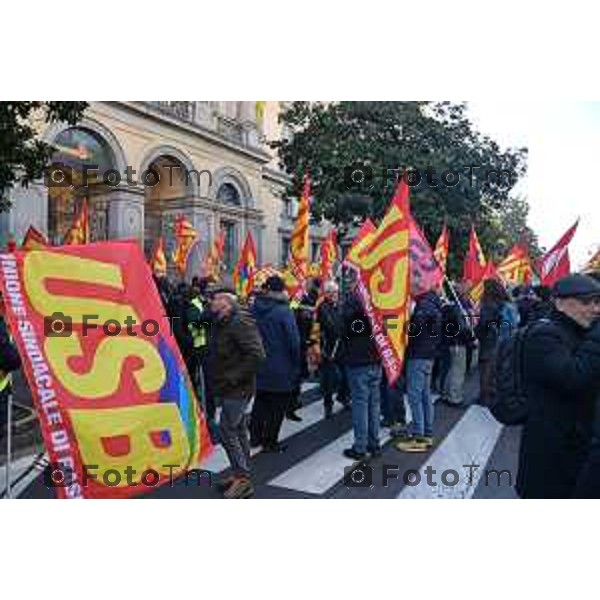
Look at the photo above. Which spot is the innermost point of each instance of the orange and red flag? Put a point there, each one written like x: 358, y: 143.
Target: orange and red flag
x: 79, y: 233
x: 299, y: 245
x: 34, y: 240
x: 158, y: 260
x: 442, y: 248
x: 185, y: 236
x: 474, y: 260
x: 516, y: 269
x: 243, y: 273
x: 329, y: 255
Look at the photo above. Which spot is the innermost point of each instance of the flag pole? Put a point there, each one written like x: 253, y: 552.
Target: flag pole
x: 9, y: 410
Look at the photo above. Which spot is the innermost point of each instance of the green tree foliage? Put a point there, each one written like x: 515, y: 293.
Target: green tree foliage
x: 22, y: 155
x: 330, y: 141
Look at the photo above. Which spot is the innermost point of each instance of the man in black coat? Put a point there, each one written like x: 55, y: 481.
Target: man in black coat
x: 561, y: 373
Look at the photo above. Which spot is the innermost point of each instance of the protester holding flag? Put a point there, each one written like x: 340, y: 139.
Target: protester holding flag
x: 363, y: 367
x: 331, y: 334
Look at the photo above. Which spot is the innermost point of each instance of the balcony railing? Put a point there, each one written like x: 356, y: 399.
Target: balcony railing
x: 198, y: 113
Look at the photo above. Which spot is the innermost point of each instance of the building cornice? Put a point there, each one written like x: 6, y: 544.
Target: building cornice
x: 195, y: 129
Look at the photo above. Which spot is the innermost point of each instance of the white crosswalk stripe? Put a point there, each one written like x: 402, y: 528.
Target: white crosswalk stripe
x: 470, y: 442
x: 310, y: 414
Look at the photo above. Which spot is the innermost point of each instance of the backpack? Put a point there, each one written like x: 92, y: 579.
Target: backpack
x: 509, y: 406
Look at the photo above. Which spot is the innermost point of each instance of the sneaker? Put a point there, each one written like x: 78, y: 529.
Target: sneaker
x: 427, y: 440
x: 292, y: 416
x: 400, y: 433
x: 354, y: 455
x: 412, y: 445
x: 241, y: 487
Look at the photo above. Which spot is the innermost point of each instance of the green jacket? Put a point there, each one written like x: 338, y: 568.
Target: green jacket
x: 235, y: 355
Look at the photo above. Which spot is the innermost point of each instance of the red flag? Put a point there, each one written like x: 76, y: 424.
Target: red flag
x: 476, y: 291
x: 243, y: 273
x: 329, y: 254
x: 158, y: 261
x: 555, y: 263
x: 474, y: 260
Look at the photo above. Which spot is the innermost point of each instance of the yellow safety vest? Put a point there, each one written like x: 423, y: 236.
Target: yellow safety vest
x: 5, y: 382
x: 198, y: 332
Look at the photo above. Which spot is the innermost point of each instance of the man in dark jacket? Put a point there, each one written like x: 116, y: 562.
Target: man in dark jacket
x: 561, y: 374
x: 280, y: 373
x: 424, y: 339
x: 235, y: 355
x: 331, y: 331
x: 363, y: 368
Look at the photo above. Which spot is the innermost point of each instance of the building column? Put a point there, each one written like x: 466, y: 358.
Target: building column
x: 126, y: 214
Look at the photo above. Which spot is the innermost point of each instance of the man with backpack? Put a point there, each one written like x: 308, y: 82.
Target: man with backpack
x: 559, y: 388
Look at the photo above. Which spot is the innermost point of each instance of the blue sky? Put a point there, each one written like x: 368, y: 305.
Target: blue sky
x: 564, y: 151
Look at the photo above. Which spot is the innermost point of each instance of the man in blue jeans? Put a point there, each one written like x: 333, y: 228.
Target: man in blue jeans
x: 424, y: 338
x: 363, y: 368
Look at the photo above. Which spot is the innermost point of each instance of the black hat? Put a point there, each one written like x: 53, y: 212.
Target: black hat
x: 275, y: 284
x: 576, y: 286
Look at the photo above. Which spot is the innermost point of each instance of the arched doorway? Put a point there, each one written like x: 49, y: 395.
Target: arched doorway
x: 165, y: 200
x: 78, y: 148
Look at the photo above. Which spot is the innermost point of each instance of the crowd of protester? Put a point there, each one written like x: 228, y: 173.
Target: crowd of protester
x: 249, y: 358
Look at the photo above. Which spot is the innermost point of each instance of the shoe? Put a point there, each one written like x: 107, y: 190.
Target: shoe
x: 427, y: 440
x: 275, y: 448
x: 411, y: 445
x: 223, y: 485
x: 400, y: 433
x: 241, y: 487
x: 354, y: 455
x: 376, y: 453
x: 292, y: 416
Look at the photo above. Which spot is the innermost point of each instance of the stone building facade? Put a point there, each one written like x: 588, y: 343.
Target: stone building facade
x: 213, y: 166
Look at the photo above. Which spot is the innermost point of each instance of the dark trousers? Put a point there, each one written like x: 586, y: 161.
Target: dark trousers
x: 392, y: 401
x: 267, y: 415
x: 441, y: 367
x: 487, y: 379
x: 329, y: 380
x: 343, y: 385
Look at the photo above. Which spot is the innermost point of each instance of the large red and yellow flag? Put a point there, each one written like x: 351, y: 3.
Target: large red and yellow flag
x: 117, y: 411
x: 516, y: 269
x: 185, y: 236
x: 381, y: 258
x: 243, y: 273
x: 442, y: 248
x: 79, y: 233
x: 158, y: 260
x: 474, y: 260
x: 34, y: 239
x: 299, y: 244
